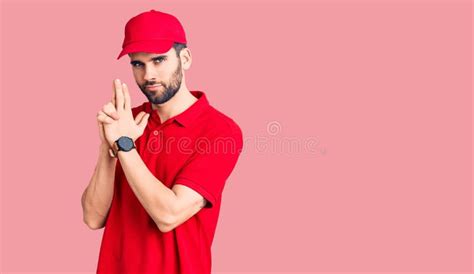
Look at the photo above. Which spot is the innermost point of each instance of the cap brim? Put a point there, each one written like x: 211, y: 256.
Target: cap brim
x: 151, y: 46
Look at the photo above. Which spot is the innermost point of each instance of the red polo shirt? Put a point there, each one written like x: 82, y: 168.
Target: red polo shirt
x: 197, y: 148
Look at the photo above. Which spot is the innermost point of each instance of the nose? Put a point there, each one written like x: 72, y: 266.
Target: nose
x: 150, y: 74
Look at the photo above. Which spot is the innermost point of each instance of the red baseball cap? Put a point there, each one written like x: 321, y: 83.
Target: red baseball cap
x: 152, y: 31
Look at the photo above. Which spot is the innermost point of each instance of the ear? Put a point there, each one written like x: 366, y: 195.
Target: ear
x: 186, y: 58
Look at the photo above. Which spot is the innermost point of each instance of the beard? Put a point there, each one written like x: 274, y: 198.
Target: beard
x: 159, y: 96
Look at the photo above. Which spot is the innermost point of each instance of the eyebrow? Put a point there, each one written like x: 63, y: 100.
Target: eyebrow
x: 151, y: 59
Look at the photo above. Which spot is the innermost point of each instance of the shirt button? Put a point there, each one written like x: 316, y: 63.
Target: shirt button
x: 155, y: 132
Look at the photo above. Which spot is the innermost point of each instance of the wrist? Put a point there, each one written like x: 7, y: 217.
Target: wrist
x: 123, y: 143
x: 104, y: 145
x: 105, y: 149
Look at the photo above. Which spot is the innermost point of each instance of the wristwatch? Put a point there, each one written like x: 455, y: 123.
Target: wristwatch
x: 123, y: 143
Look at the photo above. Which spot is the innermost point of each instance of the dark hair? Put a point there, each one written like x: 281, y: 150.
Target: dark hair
x: 178, y: 47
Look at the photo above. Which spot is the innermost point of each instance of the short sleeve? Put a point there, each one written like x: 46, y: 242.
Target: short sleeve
x: 208, y: 168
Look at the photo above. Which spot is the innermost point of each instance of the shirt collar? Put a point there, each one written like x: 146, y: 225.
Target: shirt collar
x: 189, y: 115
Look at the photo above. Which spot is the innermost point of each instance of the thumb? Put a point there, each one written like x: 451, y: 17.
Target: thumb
x: 143, y: 121
x: 139, y: 117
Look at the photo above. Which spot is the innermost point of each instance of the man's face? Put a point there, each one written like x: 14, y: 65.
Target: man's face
x: 164, y: 70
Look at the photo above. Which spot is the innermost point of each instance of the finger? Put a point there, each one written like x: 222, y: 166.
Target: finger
x: 126, y: 97
x: 104, y: 118
x: 113, y: 93
x: 113, y: 99
x: 119, y: 106
x: 139, y: 117
x: 111, y: 153
x: 110, y: 110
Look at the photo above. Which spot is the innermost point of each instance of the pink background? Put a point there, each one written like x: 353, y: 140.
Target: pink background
x: 381, y: 89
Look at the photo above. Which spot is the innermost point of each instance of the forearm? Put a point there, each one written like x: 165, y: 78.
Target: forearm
x: 97, y: 197
x: 157, y: 199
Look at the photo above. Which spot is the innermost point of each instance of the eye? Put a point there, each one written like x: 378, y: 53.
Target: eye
x: 159, y: 60
x: 136, y: 65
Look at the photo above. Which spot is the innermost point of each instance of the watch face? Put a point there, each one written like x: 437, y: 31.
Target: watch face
x: 125, y: 143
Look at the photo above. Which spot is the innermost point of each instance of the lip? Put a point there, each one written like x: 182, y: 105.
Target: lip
x: 154, y: 87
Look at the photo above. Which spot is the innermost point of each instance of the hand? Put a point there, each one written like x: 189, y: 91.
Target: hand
x: 117, y: 118
x: 103, y: 141
x: 109, y: 112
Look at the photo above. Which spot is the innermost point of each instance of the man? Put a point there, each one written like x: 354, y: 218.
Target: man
x: 162, y: 166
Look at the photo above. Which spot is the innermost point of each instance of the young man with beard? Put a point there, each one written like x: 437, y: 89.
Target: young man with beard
x: 162, y: 166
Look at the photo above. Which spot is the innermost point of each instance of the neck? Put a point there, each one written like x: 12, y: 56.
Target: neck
x: 182, y: 100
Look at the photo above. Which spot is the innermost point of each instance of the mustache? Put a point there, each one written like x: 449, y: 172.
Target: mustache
x: 151, y: 84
